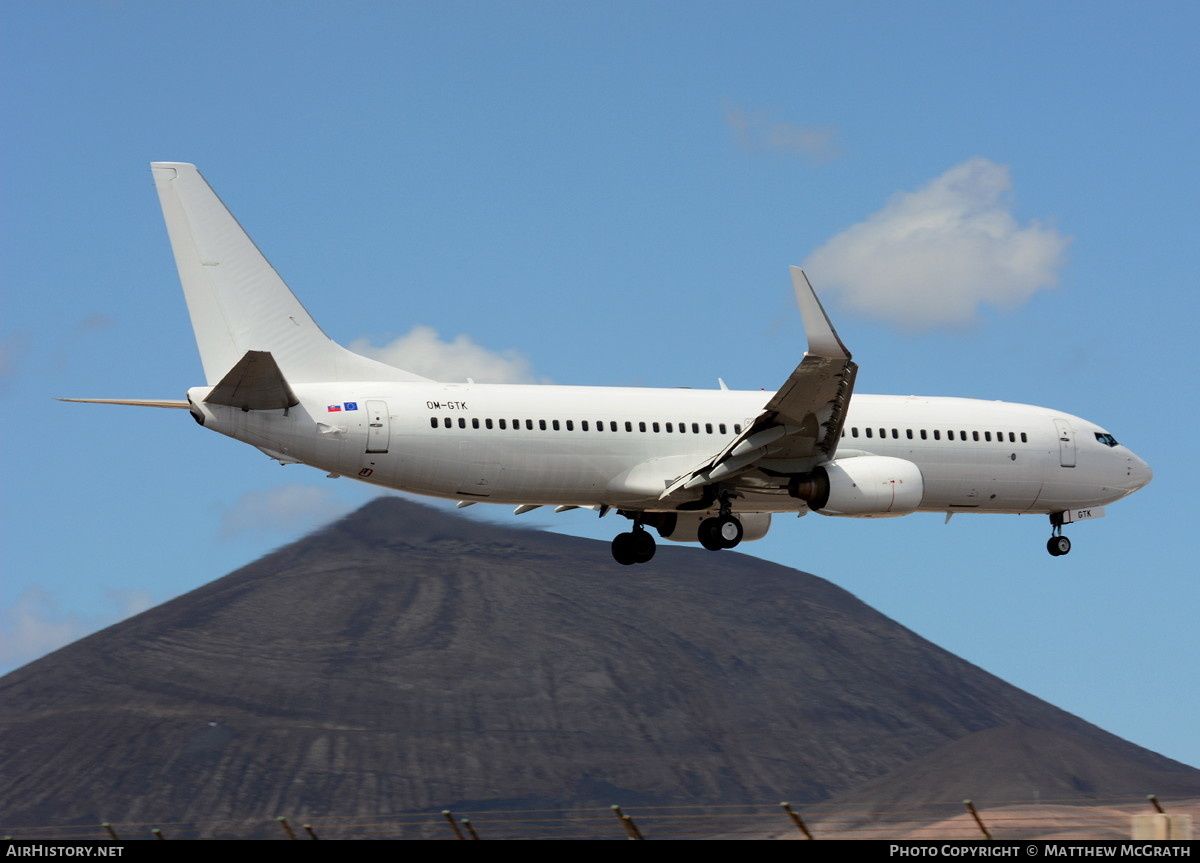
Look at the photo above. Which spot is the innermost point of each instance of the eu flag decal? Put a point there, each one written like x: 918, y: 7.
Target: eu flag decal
x: 351, y: 406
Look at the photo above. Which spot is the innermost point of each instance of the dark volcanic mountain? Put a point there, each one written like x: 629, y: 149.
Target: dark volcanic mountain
x: 406, y: 659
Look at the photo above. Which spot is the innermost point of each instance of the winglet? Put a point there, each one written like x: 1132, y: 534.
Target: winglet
x: 823, y: 340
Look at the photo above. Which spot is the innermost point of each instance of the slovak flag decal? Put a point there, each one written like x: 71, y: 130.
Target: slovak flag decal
x: 333, y: 408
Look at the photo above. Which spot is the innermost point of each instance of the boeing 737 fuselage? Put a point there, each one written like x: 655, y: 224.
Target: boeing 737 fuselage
x: 697, y: 466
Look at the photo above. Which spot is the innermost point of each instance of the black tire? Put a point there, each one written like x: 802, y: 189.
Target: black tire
x: 624, y: 549
x: 643, y: 546
x: 730, y: 530
x: 709, y: 534
x: 1058, y: 545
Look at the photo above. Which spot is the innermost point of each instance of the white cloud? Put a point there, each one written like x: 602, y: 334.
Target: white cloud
x: 35, y: 625
x: 758, y: 132
x: 285, y: 509
x: 422, y: 351
x: 932, y: 257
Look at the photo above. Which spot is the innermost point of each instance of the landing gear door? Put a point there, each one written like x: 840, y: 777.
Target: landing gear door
x: 1066, y: 443
x: 377, y: 426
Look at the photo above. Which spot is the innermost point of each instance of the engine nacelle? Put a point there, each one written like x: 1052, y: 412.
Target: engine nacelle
x: 683, y: 526
x: 869, y: 486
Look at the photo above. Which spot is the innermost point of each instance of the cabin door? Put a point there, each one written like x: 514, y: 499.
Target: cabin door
x: 378, y: 431
x: 1066, y: 443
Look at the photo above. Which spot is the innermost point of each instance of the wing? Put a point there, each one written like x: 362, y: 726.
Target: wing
x: 800, y: 425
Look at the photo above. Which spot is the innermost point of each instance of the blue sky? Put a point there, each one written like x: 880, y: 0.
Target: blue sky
x: 612, y: 194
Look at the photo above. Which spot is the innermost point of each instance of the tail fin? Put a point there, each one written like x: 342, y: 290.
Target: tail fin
x: 237, y: 301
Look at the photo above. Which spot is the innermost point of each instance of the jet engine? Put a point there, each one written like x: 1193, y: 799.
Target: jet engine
x: 871, y: 486
x: 683, y: 526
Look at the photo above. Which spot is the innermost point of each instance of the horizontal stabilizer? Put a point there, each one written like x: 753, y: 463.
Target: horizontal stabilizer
x: 254, y: 384
x: 144, y: 403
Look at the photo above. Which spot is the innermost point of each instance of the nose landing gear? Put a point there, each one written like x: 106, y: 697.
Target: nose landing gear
x: 1057, y: 545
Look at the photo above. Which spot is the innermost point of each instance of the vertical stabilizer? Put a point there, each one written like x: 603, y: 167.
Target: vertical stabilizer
x: 237, y: 301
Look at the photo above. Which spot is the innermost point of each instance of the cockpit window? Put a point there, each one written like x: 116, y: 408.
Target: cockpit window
x: 1106, y: 439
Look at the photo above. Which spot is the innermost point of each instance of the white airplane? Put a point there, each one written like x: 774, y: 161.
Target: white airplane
x: 697, y: 466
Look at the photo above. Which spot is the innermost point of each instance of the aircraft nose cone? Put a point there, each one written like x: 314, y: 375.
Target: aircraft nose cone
x: 1140, y: 473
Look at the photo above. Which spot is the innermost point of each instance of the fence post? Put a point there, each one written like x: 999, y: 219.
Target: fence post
x: 975, y: 815
x: 158, y: 834
x: 308, y: 827
x: 286, y: 827
x: 787, y: 807
x: 1160, y: 825
x: 467, y: 823
x: 631, y: 829
x: 450, y: 819
x: 111, y: 833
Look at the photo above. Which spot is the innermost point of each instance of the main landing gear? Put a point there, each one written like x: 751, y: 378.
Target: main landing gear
x: 1057, y: 545
x: 636, y: 546
x: 722, y: 531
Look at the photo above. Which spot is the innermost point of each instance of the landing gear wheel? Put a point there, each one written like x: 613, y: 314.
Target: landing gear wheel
x: 636, y: 546
x: 623, y: 550
x: 643, y: 546
x: 730, y: 530
x: 1058, y: 545
x: 709, y: 534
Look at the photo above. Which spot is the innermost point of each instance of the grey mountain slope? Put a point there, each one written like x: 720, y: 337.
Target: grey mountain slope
x: 403, y: 659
